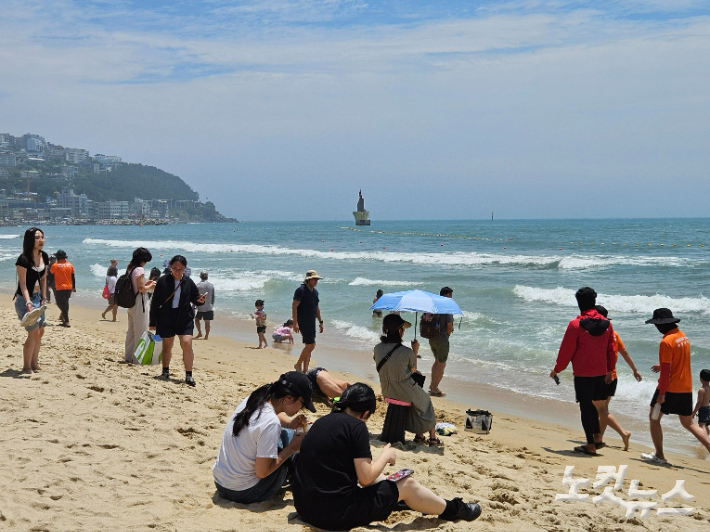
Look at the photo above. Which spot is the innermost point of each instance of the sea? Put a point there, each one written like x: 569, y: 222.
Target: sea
x: 513, y: 279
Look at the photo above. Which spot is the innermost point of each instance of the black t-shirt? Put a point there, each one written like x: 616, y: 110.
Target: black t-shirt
x: 308, y: 303
x: 325, y: 479
x: 33, y: 276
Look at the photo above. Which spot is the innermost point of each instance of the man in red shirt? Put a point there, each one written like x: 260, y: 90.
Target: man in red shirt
x: 64, y: 284
x: 588, y: 344
x: 674, y: 393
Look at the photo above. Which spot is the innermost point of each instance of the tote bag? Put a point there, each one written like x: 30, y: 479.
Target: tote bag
x: 149, y: 351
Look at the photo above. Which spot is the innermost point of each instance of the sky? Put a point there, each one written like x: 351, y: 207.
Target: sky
x: 284, y: 109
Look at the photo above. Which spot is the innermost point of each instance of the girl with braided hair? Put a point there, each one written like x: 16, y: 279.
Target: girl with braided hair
x: 258, y: 443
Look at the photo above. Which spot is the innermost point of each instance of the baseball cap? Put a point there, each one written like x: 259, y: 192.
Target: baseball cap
x: 299, y: 383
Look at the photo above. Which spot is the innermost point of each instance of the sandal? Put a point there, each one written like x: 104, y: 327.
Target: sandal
x: 438, y: 393
x: 435, y: 442
x: 420, y: 439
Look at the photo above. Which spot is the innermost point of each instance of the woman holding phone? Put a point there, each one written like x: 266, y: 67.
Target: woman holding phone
x: 335, y: 457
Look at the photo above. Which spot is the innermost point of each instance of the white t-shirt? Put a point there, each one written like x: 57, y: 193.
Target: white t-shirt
x: 111, y: 282
x: 235, y: 467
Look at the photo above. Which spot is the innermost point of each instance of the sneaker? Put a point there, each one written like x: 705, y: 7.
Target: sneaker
x: 651, y: 457
x: 32, y: 316
x: 467, y: 511
x: 190, y: 381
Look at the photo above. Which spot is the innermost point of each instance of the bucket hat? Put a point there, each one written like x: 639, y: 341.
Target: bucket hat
x: 662, y: 316
x: 312, y: 274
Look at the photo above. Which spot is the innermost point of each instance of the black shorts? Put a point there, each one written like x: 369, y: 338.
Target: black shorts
x: 680, y: 404
x: 312, y: 375
x: 207, y: 316
x: 170, y: 327
x: 308, y: 335
x: 371, y: 503
x: 590, y: 388
x: 610, y: 389
x: 261, y: 329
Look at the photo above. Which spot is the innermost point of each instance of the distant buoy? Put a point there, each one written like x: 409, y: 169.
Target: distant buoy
x: 559, y: 248
x: 504, y: 247
x: 383, y: 247
x: 322, y: 240
x: 442, y: 245
x: 361, y: 241
x: 331, y: 249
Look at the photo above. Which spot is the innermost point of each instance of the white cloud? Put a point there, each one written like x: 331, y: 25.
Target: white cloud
x: 507, y: 108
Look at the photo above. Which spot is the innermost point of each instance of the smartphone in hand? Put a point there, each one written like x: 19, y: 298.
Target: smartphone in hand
x: 399, y: 475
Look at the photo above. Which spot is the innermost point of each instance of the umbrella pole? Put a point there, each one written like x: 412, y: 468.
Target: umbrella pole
x: 416, y: 315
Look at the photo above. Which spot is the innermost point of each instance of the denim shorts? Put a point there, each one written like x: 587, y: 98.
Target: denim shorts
x: 21, y: 309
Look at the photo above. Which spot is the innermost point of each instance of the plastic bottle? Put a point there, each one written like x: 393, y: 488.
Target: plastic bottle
x: 656, y: 411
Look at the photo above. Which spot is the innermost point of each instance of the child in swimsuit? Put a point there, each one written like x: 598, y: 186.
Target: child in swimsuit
x: 702, y: 407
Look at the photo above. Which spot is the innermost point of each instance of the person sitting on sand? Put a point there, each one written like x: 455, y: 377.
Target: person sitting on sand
x: 324, y: 384
x: 338, y: 486
x: 397, y: 382
x: 605, y: 418
x: 283, y: 333
x: 674, y: 393
x: 255, y: 456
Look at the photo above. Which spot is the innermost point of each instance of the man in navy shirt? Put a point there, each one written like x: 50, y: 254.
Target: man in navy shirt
x: 304, y: 312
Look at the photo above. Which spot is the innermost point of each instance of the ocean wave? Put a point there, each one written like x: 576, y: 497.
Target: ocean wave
x: 459, y: 258
x: 357, y: 331
x: 362, y: 281
x: 98, y: 270
x: 8, y: 237
x: 564, y: 297
x: 8, y: 256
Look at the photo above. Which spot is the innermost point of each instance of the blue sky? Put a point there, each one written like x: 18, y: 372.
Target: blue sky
x: 284, y: 109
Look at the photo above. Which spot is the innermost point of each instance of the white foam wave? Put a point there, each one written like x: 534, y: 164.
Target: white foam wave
x: 461, y: 258
x: 363, y: 281
x: 98, y: 270
x: 8, y: 237
x: 357, y: 331
x: 8, y: 256
x: 564, y: 297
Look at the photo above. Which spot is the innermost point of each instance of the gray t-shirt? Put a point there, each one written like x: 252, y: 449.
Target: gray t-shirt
x: 444, y: 320
x: 205, y: 287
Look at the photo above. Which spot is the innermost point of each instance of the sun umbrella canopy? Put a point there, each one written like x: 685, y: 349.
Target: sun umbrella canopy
x: 417, y: 301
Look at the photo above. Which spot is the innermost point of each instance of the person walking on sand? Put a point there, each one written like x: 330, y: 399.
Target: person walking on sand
x: 588, y: 343
x: 605, y: 418
x: 702, y: 407
x: 31, y: 295
x: 440, y: 347
x: 138, y: 313
x: 674, y: 394
x: 65, y: 284
x: 113, y: 264
x: 111, y: 278
x: 206, y: 311
x: 172, y: 314
x: 259, y: 317
x: 304, y: 312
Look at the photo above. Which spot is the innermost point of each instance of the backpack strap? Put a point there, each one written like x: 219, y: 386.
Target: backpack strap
x: 387, y: 357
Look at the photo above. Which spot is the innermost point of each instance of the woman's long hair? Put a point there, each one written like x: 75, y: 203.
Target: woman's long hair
x: 139, y: 255
x: 359, y: 398
x: 256, y: 400
x: 28, y: 244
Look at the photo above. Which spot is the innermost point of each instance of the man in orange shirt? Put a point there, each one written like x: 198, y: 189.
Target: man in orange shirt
x: 64, y: 283
x: 674, y: 393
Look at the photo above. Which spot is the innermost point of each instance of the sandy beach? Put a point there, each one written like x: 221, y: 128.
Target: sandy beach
x: 92, y: 443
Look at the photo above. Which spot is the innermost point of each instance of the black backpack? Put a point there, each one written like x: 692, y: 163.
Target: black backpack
x: 429, y: 326
x: 124, y: 294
